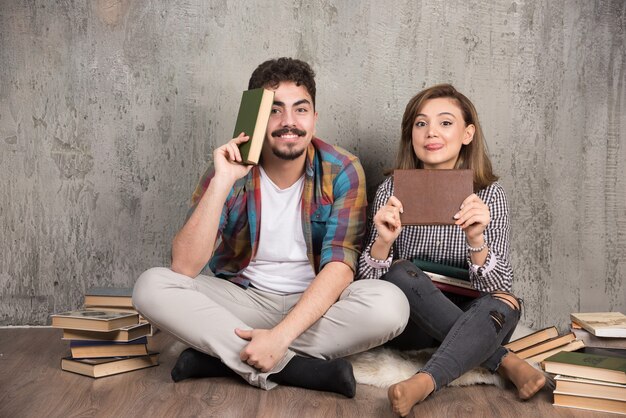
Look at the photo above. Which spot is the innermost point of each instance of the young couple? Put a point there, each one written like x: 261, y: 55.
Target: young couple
x: 261, y: 283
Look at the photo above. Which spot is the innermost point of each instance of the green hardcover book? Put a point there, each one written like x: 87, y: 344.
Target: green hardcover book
x: 589, y: 366
x: 252, y: 119
x: 444, y: 270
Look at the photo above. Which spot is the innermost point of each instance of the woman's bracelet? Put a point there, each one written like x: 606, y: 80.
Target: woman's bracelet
x: 375, y: 263
x: 476, y: 249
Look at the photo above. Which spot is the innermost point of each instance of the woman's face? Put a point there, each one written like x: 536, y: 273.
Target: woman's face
x: 439, y: 131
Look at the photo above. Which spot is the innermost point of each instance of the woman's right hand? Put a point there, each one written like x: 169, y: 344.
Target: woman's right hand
x: 387, y: 221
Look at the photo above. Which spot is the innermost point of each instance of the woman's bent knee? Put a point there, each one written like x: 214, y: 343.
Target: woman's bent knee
x: 502, y: 312
x: 507, y: 298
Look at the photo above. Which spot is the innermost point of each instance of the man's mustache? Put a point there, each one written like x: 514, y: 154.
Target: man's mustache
x: 284, y: 131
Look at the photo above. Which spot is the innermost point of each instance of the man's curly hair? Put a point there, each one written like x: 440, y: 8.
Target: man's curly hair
x: 274, y: 71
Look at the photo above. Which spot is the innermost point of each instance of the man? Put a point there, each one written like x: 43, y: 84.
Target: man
x: 282, y: 240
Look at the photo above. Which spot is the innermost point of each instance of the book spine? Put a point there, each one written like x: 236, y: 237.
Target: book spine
x: 450, y: 271
x: 449, y: 280
x: 444, y: 287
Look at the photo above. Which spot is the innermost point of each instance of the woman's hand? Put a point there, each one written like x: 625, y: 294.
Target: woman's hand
x: 473, y: 218
x: 387, y: 221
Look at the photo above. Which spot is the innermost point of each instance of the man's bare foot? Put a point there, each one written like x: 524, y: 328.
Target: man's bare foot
x: 404, y: 395
x: 525, y: 377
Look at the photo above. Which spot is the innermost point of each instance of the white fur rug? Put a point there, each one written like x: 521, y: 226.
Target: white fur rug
x: 383, y: 367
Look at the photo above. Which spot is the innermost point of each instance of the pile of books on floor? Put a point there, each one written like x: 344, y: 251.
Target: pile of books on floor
x: 539, y: 345
x: 593, y: 378
x: 107, y: 336
x: 605, y: 329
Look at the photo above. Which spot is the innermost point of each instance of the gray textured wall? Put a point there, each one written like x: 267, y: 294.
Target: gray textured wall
x: 109, y: 111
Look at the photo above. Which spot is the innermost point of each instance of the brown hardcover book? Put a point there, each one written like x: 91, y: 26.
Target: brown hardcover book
x: 431, y: 197
x: 108, y: 366
x: 547, y: 345
x: 532, y: 339
x: 94, y: 320
x: 129, y: 333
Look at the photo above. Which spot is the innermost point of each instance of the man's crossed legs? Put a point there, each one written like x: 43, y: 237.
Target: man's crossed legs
x: 204, y: 313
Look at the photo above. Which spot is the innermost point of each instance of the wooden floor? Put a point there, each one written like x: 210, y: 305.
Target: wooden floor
x: 33, y: 385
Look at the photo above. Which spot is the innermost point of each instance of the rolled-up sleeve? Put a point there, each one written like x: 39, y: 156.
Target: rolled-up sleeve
x: 368, y: 267
x: 497, y: 273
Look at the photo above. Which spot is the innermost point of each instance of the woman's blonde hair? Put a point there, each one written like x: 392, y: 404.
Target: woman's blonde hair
x: 473, y: 155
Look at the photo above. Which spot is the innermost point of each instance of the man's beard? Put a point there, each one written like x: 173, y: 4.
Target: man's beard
x: 290, y: 153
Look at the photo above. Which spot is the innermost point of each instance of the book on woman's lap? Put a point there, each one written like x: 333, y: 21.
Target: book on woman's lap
x: 431, y: 197
x: 448, y: 278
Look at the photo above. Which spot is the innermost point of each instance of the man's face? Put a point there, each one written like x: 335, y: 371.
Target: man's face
x: 292, y: 122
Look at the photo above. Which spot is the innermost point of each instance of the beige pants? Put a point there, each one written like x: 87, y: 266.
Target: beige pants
x: 204, y: 312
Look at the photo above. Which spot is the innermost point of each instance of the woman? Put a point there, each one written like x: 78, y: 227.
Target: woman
x: 440, y: 130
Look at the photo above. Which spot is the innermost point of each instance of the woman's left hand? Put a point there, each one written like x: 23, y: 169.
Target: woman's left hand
x: 473, y: 218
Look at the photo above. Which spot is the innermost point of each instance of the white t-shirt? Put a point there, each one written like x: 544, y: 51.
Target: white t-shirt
x: 281, y: 264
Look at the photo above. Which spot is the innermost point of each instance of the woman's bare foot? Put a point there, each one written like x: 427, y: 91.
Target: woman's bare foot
x: 404, y: 395
x: 525, y: 377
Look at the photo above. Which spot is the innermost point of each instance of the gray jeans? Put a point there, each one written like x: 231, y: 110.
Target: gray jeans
x: 204, y: 312
x: 469, y: 333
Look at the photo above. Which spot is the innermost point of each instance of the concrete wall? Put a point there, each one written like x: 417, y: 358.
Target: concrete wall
x: 109, y: 112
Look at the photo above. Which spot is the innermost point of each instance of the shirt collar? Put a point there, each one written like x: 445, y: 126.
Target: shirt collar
x: 310, y: 157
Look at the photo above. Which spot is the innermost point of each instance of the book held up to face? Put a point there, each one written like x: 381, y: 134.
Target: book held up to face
x: 252, y: 120
x: 431, y: 197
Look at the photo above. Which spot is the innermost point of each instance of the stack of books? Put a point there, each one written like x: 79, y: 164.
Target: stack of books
x: 590, y: 378
x: 107, y: 336
x: 448, y: 278
x: 541, y: 344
